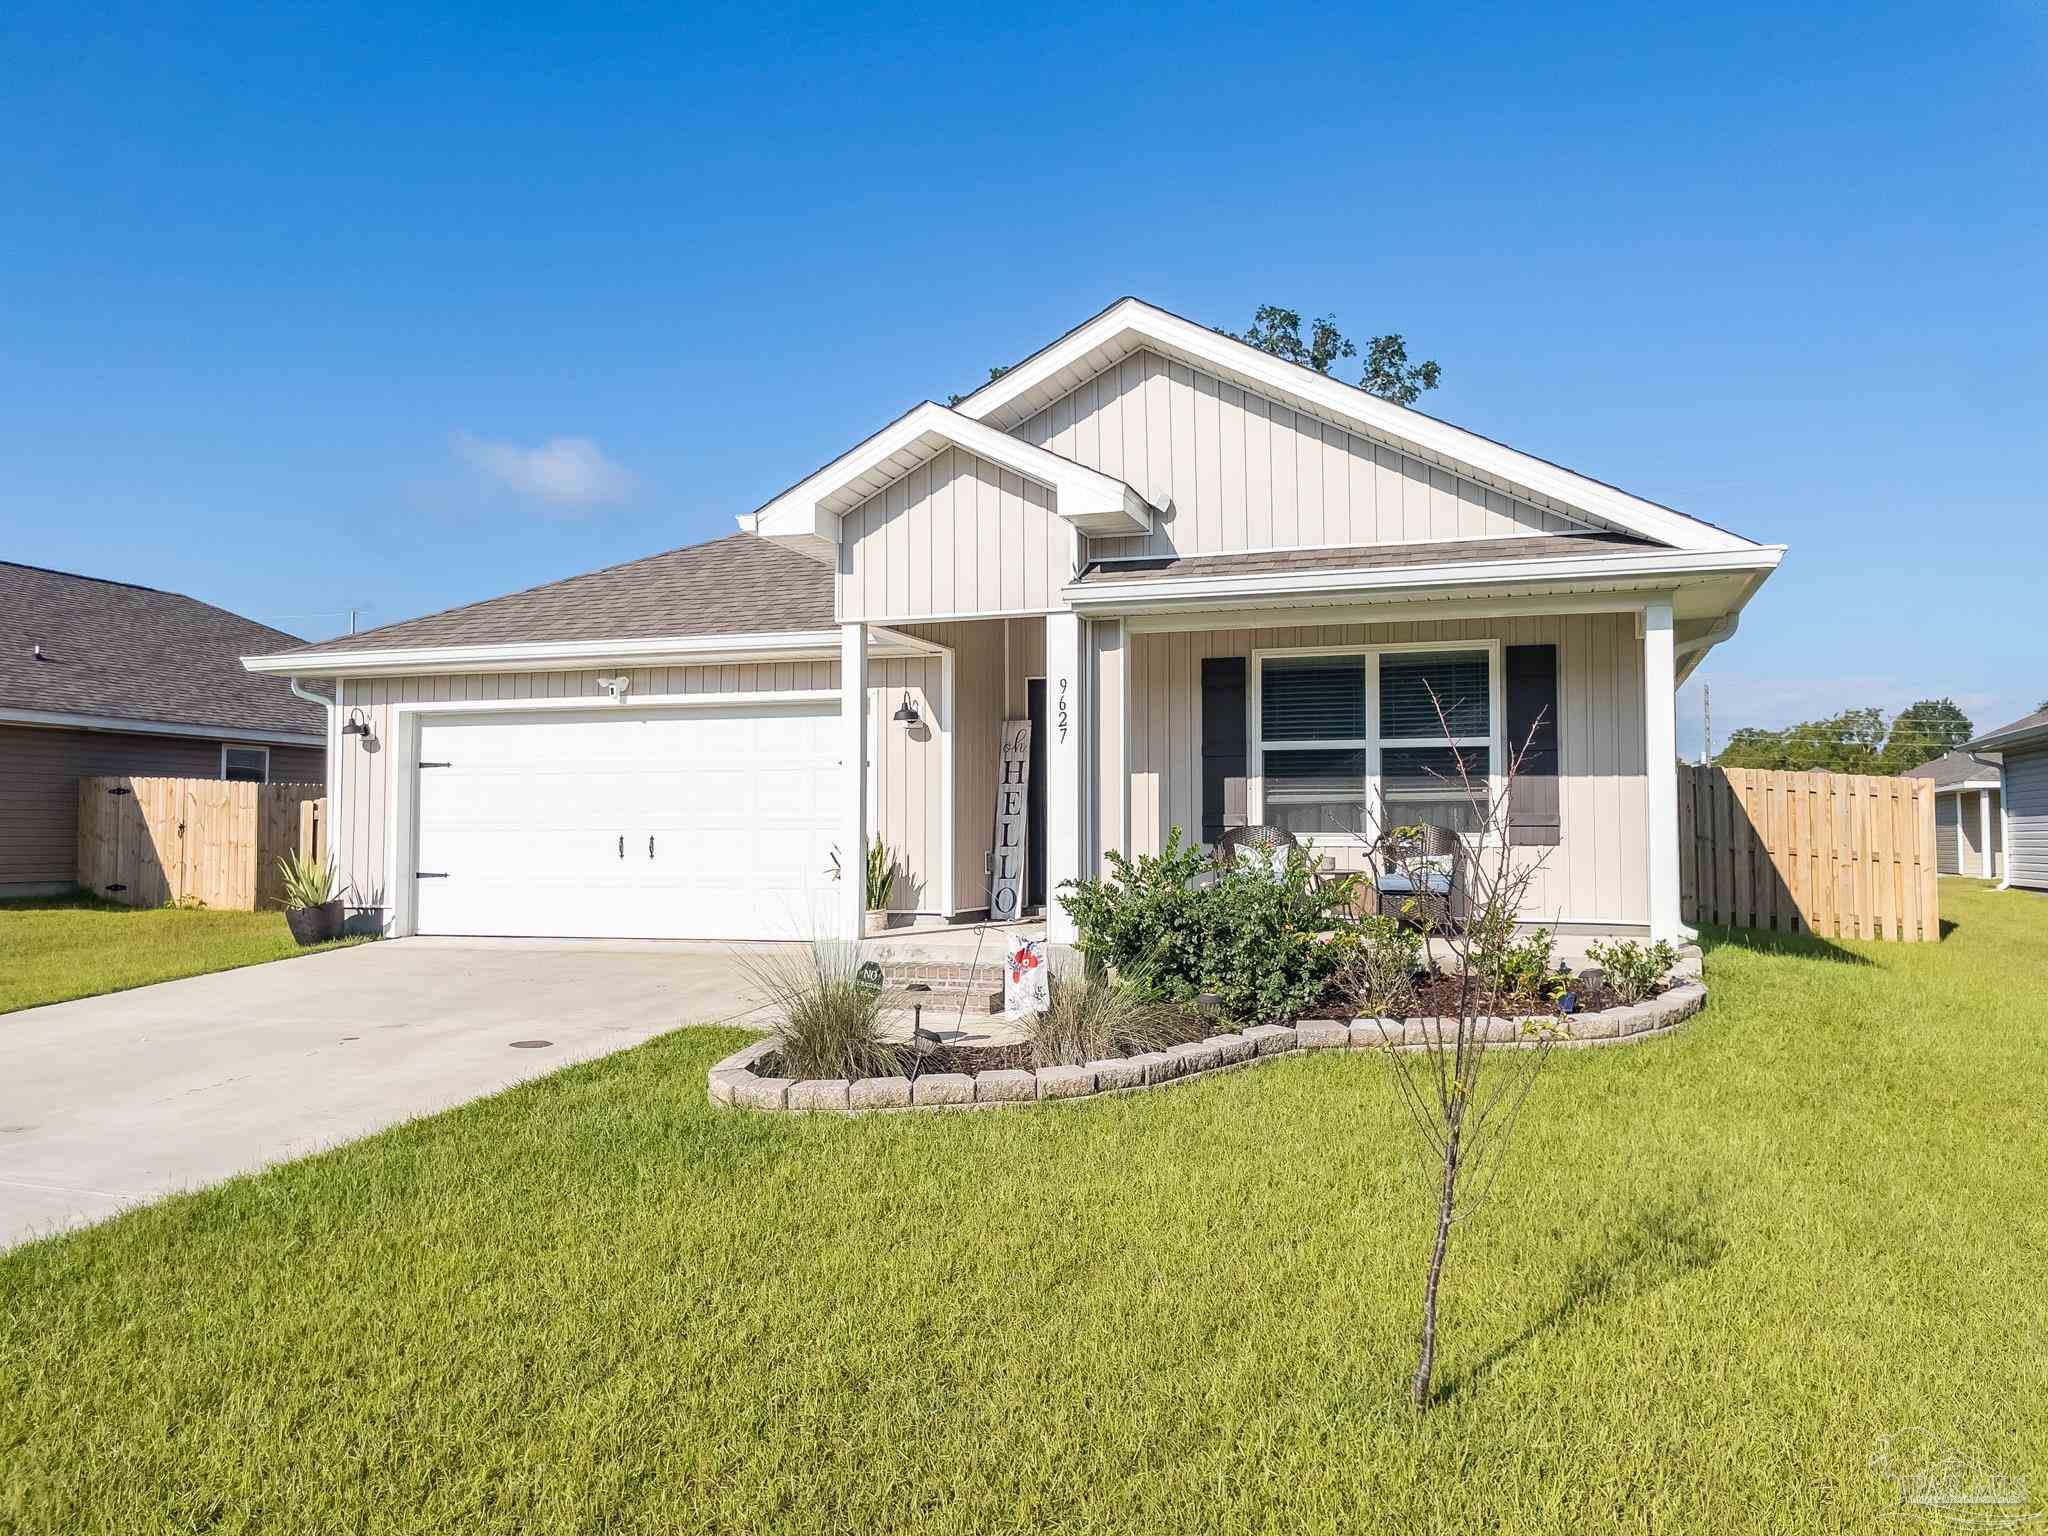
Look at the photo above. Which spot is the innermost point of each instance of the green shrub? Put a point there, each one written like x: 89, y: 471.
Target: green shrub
x: 1265, y: 937
x: 1527, y: 969
x: 1633, y: 970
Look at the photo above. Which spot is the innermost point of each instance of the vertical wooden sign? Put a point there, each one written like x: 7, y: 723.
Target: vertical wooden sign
x: 1013, y: 808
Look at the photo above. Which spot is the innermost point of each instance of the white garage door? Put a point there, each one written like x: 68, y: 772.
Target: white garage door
x: 692, y: 824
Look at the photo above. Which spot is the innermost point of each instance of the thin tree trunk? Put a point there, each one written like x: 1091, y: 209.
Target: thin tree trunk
x: 1418, y: 1390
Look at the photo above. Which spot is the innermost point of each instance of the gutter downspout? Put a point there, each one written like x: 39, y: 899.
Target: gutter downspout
x: 333, y: 784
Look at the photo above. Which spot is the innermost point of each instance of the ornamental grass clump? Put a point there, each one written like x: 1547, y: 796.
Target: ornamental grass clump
x: 828, y: 1020
x: 1095, y: 1018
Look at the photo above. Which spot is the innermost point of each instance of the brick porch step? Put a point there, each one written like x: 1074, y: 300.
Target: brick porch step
x: 943, y: 1002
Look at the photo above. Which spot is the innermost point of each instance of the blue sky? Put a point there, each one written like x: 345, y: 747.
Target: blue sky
x: 305, y: 307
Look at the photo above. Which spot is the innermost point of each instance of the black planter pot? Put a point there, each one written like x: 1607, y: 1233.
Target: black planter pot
x: 314, y: 925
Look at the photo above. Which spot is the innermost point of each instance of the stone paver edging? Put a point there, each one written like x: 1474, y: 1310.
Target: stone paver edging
x: 734, y: 1082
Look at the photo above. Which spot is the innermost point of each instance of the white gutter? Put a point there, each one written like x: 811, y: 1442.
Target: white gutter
x: 313, y: 698
x: 678, y: 650
x: 68, y: 721
x: 1102, y: 596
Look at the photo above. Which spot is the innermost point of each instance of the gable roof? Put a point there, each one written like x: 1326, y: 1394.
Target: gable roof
x: 2028, y: 730
x: 737, y: 585
x: 1092, y: 501
x: 119, y: 652
x: 1130, y: 325
x: 1960, y: 767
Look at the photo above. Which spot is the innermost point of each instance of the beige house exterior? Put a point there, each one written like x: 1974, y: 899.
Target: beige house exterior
x: 1216, y: 582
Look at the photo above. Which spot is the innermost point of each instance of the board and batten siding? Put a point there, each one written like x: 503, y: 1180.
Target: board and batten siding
x: 956, y: 536
x: 908, y: 769
x: 1597, y: 874
x: 1237, y: 471
x: 2026, y: 818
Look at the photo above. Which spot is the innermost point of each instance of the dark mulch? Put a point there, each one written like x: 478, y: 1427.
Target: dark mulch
x: 1435, y: 995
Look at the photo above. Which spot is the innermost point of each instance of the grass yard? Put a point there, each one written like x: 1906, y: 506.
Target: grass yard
x: 54, y: 948
x: 1729, y: 1260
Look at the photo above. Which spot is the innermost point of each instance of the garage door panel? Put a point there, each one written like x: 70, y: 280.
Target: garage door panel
x: 741, y: 804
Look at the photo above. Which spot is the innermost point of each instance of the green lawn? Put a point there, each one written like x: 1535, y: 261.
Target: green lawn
x: 1729, y: 1260
x: 58, y: 947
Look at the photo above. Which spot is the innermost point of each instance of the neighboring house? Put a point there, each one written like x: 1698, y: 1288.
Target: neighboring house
x: 100, y: 677
x: 2023, y: 748
x: 1219, y: 584
x: 1969, y: 819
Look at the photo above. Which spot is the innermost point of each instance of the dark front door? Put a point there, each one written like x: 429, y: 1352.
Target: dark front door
x: 1034, y: 817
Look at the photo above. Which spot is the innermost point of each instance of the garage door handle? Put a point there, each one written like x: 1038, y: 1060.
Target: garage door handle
x: 622, y: 845
x: 650, y: 845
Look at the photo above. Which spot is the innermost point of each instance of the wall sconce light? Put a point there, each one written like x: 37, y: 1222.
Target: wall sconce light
x: 906, y: 714
x: 357, y: 726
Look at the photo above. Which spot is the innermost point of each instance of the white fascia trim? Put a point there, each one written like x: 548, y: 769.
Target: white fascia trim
x: 1371, y: 414
x: 1104, y: 597
x: 681, y: 650
x: 226, y: 733
x: 1087, y: 498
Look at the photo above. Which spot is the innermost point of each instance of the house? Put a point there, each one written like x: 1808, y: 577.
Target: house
x: 2023, y: 749
x: 1219, y: 585
x: 1969, y: 820
x: 102, y: 677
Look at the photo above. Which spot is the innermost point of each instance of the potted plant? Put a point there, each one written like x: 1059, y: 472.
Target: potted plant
x: 312, y: 905
x: 880, y: 877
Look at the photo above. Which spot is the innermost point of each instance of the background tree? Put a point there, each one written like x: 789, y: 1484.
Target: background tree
x: 993, y: 374
x: 1855, y: 741
x: 1388, y: 375
x: 1387, y: 370
x: 1923, y: 731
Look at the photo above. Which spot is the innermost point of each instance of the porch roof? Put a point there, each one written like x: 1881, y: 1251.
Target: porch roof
x: 1359, y: 557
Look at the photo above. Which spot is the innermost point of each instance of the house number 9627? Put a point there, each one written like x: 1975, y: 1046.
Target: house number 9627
x: 1062, y: 715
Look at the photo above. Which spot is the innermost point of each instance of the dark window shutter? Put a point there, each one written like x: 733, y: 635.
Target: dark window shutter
x: 1532, y: 733
x: 1223, y: 745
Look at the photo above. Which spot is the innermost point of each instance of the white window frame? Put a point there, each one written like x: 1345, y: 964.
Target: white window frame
x: 1373, y: 743
x: 245, y: 746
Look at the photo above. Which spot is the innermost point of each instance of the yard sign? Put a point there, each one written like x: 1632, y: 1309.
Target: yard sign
x: 1013, y: 799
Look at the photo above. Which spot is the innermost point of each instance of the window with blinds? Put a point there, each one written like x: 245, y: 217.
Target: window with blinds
x: 1415, y: 685
x: 1322, y: 726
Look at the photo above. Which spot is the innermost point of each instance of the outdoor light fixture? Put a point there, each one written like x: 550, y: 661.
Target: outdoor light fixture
x: 357, y: 725
x: 906, y: 714
x: 617, y: 687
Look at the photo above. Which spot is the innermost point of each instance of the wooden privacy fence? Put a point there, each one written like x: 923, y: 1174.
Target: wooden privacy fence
x: 1839, y: 855
x: 145, y: 842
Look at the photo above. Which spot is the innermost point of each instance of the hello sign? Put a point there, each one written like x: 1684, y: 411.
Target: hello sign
x: 1013, y: 800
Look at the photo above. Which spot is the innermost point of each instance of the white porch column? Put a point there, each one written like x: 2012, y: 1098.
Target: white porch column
x: 1984, y: 827
x: 1660, y: 743
x: 1066, y: 820
x: 853, y: 747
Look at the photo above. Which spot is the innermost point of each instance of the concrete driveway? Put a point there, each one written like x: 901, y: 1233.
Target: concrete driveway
x: 111, y: 1101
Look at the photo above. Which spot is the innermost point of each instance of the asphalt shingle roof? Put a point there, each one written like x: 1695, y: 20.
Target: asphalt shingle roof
x: 1363, y: 557
x: 1958, y: 767
x: 740, y: 584
x: 2026, y: 730
x: 134, y: 653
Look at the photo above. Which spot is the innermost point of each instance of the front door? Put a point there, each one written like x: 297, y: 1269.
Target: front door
x: 1034, y: 819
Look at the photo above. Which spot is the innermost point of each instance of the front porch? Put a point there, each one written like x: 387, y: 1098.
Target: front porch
x: 1307, y: 718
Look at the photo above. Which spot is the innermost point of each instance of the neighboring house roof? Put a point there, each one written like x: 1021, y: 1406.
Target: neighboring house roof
x: 1360, y: 557
x: 1131, y: 325
x: 1955, y: 769
x: 121, y: 653
x: 737, y: 585
x: 2027, y: 731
